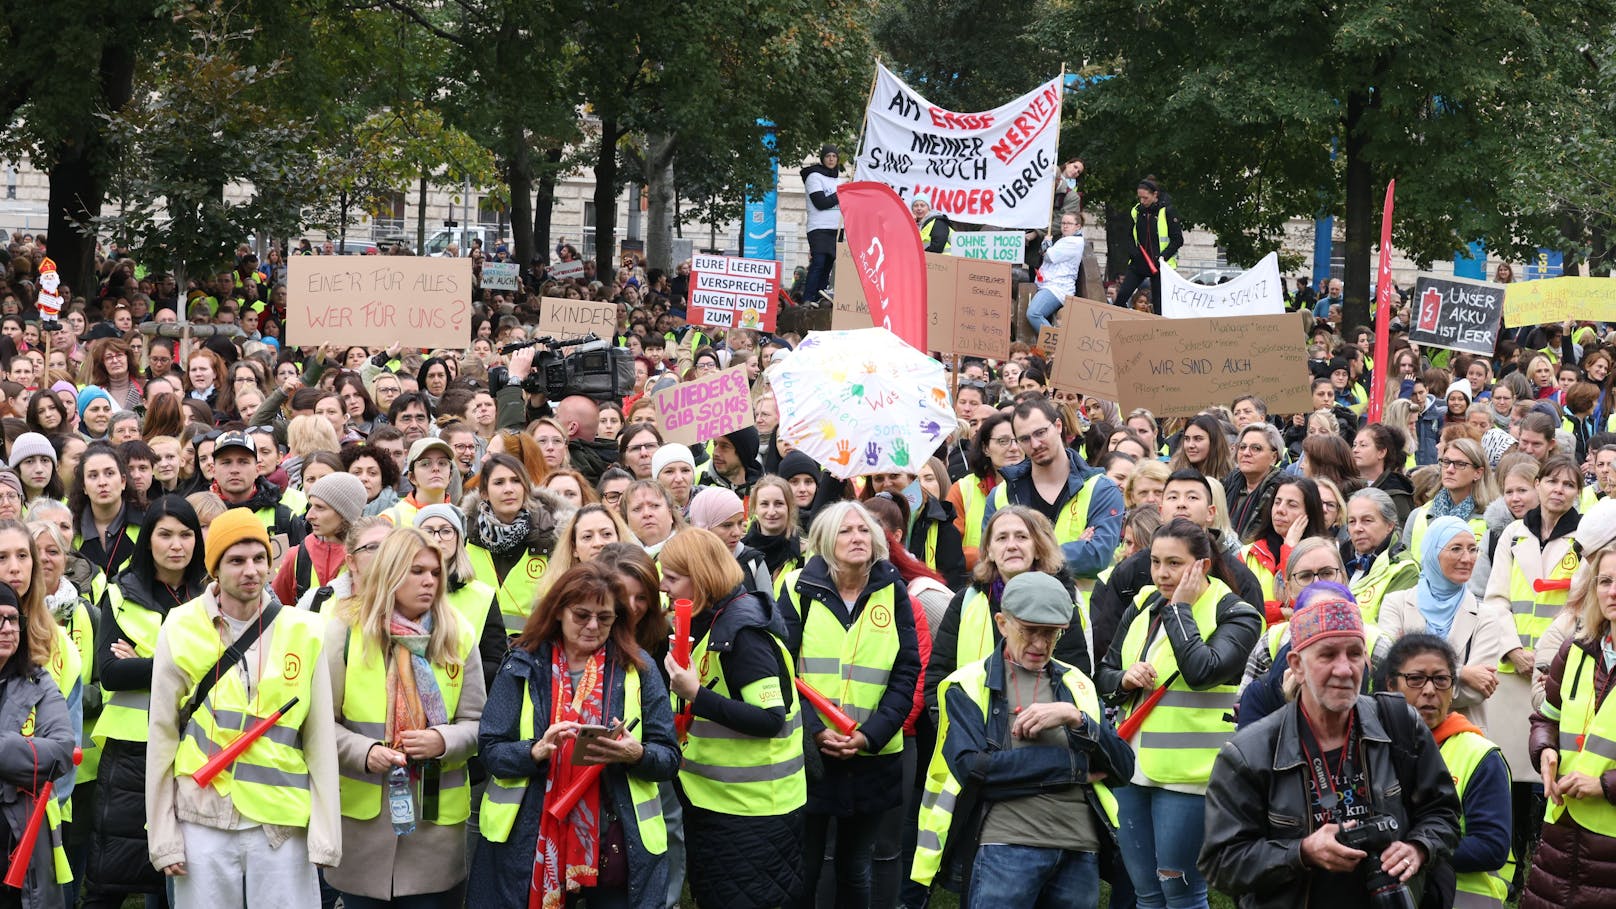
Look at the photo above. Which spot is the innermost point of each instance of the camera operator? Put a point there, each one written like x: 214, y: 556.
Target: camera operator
x: 1337, y: 800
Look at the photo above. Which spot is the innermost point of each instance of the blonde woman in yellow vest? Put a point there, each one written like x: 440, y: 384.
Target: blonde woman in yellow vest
x: 742, y: 776
x: 472, y: 599
x: 1425, y: 669
x: 774, y: 530
x: 575, y: 667
x: 851, y: 628
x: 254, y: 835
x: 1573, y: 737
x: 167, y: 570
x: 994, y: 447
x: 1467, y: 488
x: 1019, y: 801
x: 511, y: 530
x: 21, y: 567
x: 407, y: 691
x: 1533, y: 563
x: 37, y: 745
x: 1189, y: 634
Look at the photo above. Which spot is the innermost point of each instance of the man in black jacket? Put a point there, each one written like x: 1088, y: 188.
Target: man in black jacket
x: 1283, y: 791
x: 1188, y: 494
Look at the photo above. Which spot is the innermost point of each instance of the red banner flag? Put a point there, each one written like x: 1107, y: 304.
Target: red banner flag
x: 890, y: 261
x: 1383, y: 310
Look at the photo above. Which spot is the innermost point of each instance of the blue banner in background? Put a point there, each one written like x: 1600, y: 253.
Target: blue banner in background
x: 758, y: 220
x: 1471, y: 262
x: 1548, y: 264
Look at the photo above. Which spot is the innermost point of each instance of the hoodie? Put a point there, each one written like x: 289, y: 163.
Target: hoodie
x: 745, y: 442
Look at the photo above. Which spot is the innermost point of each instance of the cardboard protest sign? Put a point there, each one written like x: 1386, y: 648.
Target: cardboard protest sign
x: 1258, y: 292
x: 566, y: 271
x: 968, y: 306
x: 852, y: 311
x: 499, y: 275
x: 1457, y: 313
x: 993, y: 245
x: 422, y: 302
x: 1179, y: 367
x: 995, y: 167
x: 731, y: 292
x: 1558, y: 299
x: 702, y: 409
x: 564, y: 319
x: 1081, y: 346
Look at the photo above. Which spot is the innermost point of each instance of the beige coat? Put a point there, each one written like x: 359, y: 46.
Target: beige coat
x: 171, y: 799
x: 1480, y: 636
x: 1515, y: 699
x: 376, y: 862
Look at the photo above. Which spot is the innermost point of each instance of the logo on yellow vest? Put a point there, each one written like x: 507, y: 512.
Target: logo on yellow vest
x: 535, y: 567
x: 1569, y: 562
x: 881, y: 616
x: 453, y: 671
x: 292, y: 667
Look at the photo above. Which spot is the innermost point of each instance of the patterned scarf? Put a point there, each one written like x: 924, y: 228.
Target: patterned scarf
x: 414, y: 699
x: 568, y: 855
x: 1442, y: 506
x: 498, y: 538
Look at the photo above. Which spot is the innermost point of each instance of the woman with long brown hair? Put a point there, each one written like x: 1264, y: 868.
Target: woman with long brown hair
x: 111, y: 366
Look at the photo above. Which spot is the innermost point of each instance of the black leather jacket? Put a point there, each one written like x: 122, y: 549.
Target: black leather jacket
x: 1257, y: 810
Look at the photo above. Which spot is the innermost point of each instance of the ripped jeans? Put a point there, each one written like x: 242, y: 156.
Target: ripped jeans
x: 1160, y: 835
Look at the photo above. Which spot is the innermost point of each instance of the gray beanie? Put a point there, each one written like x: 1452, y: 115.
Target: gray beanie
x: 27, y: 445
x: 1036, y: 598
x: 447, y: 512
x: 344, y: 492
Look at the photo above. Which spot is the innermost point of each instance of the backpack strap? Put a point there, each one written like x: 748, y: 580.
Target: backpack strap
x: 227, y: 661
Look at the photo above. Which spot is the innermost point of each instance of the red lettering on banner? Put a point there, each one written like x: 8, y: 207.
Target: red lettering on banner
x: 947, y: 119
x: 958, y: 201
x: 1028, y: 124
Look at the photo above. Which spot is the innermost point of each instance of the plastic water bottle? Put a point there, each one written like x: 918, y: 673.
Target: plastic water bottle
x: 400, y: 801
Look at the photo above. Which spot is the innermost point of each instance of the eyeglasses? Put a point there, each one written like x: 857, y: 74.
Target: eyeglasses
x: 1037, y: 435
x: 583, y: 617
x: 1002, y: 441
x: 611, y: 498
x: 444, y: 532
x: 1050, y: 633
x: 643, y: 446
x: 10, y: 620
x: 1418, y: 680
x: 1323, y: 574
x: 1448, y: 464
x: 1253, y: 447
x: 368, y: 547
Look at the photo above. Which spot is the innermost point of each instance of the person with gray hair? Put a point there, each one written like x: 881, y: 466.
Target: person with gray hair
x: 1375, y: 556
x: 1250, y: 486
x: 850, y: 627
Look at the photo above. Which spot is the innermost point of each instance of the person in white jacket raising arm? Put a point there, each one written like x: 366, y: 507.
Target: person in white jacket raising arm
x: 1057, y: 277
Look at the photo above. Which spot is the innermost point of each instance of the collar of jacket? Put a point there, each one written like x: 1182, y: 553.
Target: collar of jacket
x: 1288, y: 746
x: 996, y: 671
x: 1021, y: 472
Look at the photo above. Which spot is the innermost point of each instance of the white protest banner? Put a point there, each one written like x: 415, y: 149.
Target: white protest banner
x: 1255, y: 293
x: 731, y: 292
x: 991, y: 245
x: 563, y: 271
x: 995, y: 167
x: 499, y: 275
x: 421, y: 302
x: 702, y: 409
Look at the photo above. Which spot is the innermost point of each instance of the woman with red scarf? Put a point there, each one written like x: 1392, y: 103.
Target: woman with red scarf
x: 572, y: 811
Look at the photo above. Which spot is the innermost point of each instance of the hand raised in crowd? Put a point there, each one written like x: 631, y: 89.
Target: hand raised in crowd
x: 1297, y: 533
x: 1194, y: 583
x: 521, y: 364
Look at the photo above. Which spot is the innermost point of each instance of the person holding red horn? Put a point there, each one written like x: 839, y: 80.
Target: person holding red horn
x: 226, y: 660
x: 36, y: 746
x: 577, y: 712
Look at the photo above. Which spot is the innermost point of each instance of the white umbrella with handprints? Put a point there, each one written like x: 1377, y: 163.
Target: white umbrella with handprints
x: 862, y: 402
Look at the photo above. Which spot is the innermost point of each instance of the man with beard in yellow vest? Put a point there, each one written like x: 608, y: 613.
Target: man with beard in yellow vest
x: 224, y: 661
x: 1017, y: 802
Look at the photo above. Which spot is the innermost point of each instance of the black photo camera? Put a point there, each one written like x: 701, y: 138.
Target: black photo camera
x: 1372, y: 835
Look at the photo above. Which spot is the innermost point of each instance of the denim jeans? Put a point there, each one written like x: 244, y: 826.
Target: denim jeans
x: 1043, y: 305
x: 1160, y: 836
x: 1034, y: 876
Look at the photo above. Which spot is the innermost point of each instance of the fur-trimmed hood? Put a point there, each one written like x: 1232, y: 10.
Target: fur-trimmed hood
x: 547, y: 514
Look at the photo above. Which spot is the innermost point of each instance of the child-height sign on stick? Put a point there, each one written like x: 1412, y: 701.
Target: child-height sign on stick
x: 422, y: 302
x: 731, y: 292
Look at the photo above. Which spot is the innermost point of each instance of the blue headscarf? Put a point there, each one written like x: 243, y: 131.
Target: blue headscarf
x: 1438, y: 597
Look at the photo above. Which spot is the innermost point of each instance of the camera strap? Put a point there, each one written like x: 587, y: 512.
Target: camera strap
x: 1320, y: 780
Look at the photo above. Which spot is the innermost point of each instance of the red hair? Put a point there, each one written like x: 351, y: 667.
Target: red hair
x: 908, y: 566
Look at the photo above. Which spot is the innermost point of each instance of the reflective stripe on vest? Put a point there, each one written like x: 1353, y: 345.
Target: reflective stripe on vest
x: 849, y: 666
x: 519, y: 592
x: 1587, y: 744
x: 942, y: 789
x: 364, y: 711
x: 1179, y: 740
x: 503, y: 798
x: 1463, y: 753
x: 1422, y: 520
x: 1535, y: 612
x: 269, y: 783
x: 733, y: 773
x: 126, y: 714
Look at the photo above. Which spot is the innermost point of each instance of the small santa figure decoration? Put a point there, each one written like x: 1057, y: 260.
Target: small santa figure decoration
x: 49, y: 303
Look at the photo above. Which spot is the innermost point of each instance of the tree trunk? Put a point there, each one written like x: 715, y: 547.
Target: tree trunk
x: 544, y: 207
x: 519, y: 174
x: 420, y: 220
x: 659, y: 216
x: 1361, y: 232
x: 606, y: 200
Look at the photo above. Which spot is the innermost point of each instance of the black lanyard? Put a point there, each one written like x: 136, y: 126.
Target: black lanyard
x: 1320, y: 780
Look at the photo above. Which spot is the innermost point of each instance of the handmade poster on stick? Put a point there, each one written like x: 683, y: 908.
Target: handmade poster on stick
x: 567, y: 271
x: 1081, y: 346
x: 421, y: 302
x: 1179, y: 367
x: 731, y: 292
x: 1456, y: 313
x: 565, y: 319
x: 1559, y: 299
x: 991, y: 245
x: 702, y: 409
x: 1258, y: 292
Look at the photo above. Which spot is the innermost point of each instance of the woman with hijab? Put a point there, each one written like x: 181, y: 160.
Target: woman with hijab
x: 1442, y: 604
